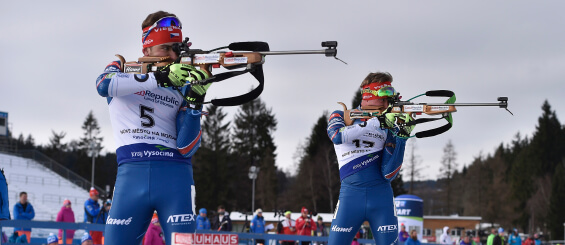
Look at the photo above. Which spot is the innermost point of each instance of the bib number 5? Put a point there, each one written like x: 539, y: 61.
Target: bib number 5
x: 145, y: 113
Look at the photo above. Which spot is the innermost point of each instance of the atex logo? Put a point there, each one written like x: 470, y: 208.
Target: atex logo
x: 386, y: 228
x: 181, y: 218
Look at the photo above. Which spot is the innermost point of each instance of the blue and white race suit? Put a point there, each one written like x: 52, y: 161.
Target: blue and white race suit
x: 4, y: 204
x: 156, y: 135
x: 369, y: 159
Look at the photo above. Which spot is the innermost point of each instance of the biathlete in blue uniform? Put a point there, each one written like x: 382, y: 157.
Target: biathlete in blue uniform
x: 370, y: 154
x: 157, y: 133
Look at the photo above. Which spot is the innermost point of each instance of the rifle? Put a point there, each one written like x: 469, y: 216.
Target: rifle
x: 415, y: 109
x: 247, y: 55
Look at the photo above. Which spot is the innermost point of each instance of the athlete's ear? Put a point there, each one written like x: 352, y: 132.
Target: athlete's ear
x: 145, y: 51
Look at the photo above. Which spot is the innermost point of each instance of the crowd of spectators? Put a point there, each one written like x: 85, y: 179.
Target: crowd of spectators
x: 304, y: 225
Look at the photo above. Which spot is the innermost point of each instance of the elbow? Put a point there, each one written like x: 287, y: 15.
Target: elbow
x: 390, y: 176
x: 189, y: 150
x: 102, y: 84
x: 335, y: 136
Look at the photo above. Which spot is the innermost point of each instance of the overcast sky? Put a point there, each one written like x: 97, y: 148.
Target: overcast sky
x: 53, y: 51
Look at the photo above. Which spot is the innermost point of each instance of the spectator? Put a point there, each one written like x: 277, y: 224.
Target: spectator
x: 154, y: 235
x: 445, y: 238
x: 4, y: 204
x: 86, y: 239
x: 66, y: 214
x: 222, y: 221
x: 514, y: 238
x: 53, y: 240
x: 104, y: 212
x: 91, y: 211
x: 287, y: 226
x: 23, y: 210
x: 403, y: 234
x: 258, y: 224
x: 499, y: 238
x: 490, y: 238
x: 466, y: 241
x: 320, y: 227
x: 15, y: 238
x: 537, y: 239
x: 305, y: 225
x: 202, y: 222
x: 413, y: 239
x: 529, y: 241
x: 4, y: 238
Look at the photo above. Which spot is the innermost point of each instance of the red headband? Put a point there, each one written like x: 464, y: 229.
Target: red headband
x: 374, y: 87
x: 160, y: 35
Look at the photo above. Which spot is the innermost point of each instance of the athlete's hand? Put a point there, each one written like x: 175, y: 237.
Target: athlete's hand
x: 198, y: 91
x: 387, y: 119
x: 405, y: 130
x: 176, y: 75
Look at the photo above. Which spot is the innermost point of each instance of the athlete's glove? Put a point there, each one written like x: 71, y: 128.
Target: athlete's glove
x: 389, y: 120
x: 405, y: 130
x: 197, y: 91
x: 176, y: 75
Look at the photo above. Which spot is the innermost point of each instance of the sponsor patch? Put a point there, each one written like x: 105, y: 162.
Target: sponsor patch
x: 204, y: 238
x: 235, y: 60
x: 132, y: 69
x: 386, y: 228
x: 206, y: 58
x: 439, y: 108
x: 336, y: 228
x: 112, y: 221
x: 413, y: 108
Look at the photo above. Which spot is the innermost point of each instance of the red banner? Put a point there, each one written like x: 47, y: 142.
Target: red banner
x: 204, y: 239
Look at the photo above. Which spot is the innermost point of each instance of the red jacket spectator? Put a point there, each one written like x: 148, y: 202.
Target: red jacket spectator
x: 529, y: 241
x: 304, y: 224
x: 66, y: 214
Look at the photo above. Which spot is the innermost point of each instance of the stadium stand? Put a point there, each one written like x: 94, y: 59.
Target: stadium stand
x: 46, y: 189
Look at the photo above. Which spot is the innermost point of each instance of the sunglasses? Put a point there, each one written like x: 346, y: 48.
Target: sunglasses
x: 383, y: 92
x: 163, y: 22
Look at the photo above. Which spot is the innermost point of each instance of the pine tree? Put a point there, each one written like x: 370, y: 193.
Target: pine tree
x: 91, y: 132
x: 316, y: 185
x: 211, y: 162
x: 356, y: 99
x: 556, y: 213
x: 55, y: 142
x: 29, y: 142
x: 90, y: 144
x: 548, y: 133
x: 253, y: 145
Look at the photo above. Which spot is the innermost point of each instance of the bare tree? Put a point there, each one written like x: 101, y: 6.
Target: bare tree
x: 448, y: 169
x: 412, y: 167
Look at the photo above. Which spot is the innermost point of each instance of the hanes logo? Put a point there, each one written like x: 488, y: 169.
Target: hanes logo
x: 133, y: 69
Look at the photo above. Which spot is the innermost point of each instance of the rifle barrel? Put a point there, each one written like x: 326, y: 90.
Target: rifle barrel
x: 468, y: 104
x: 293, y: 52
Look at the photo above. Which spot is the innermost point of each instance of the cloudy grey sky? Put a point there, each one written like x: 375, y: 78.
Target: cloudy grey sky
x: 52, y: 52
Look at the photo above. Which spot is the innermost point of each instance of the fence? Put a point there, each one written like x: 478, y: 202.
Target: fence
x: 244, y: 238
